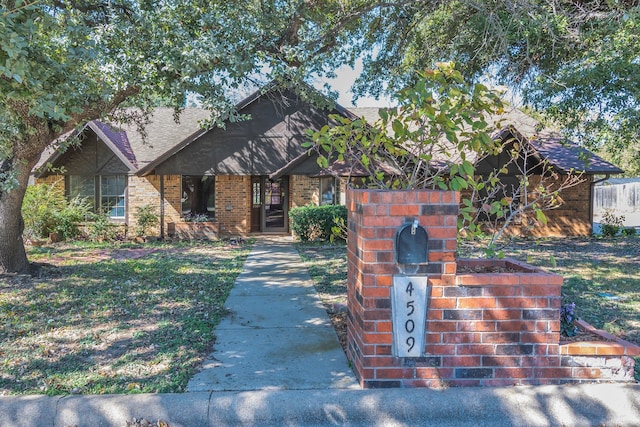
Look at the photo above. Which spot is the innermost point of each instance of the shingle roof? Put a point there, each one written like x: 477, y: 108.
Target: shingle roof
x: 567, y: 156
x: 164, y: 137
x: 136, y: 151
x: 163, y: 133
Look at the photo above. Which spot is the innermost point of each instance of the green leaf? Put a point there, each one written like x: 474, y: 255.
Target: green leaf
x: 323, y: 162
x: 540, y: 216
x: 397, y: 127
x: 468, y: 168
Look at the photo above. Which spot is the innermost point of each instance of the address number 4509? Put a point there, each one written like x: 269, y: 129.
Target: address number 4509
x: 410, y: 324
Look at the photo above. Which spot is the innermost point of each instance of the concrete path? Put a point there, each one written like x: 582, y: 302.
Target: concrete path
x: 277, y: 335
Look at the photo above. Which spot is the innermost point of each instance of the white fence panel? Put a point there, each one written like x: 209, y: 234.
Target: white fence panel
x: 622, y: 196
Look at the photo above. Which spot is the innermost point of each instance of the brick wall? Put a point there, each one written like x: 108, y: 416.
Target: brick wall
x: 374, y: 216
x: 172, y: 198
x: 572, y: 218
x: 143, y: 191
x: 304, y: 190
x: 57, y: 180
x: 233, y: 204
x: 482, y: 328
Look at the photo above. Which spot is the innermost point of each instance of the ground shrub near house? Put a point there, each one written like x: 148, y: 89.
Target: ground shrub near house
x: 316, y: 222
x: 46, y: 210
x: 113, y: 318
x: 146, y: 219
x: 612, y: 223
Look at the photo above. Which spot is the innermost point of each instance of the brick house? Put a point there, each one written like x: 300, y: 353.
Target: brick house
x: 546, y: 151
x: 246, y: 176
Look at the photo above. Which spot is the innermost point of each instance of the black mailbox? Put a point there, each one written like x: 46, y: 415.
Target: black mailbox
x: 411, y: 244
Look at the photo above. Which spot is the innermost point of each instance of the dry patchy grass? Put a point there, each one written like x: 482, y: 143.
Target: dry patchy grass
x: 113, y: 319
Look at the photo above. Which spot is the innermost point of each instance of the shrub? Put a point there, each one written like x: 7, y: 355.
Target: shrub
x: 611, y: 223
x: 629, y: 231
x: 102, y: 229
x: 46, y: 210
x: 316, y: 222
x: 146, y: 219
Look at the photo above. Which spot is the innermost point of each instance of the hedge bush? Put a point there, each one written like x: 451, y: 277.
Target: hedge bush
x: 45, y: 210
x: 316, y: 222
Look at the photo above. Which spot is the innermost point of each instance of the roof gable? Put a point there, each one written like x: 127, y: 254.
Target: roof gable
x: 271, y: 142
x: 128, y: 144
x: 271, y: 139
x: 92, y: 156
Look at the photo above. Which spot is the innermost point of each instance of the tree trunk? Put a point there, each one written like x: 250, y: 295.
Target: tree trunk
x: 13, y: 257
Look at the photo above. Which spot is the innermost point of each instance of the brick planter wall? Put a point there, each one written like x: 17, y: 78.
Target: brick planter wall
x: 195, y: 230
x: 496, y: 322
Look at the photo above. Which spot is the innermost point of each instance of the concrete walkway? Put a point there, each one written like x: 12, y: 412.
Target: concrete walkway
x: 277, y: 362
x: 277, y: 335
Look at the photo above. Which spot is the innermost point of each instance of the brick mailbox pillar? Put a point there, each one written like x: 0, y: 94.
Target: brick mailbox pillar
x: 488, y: 322
x: 374, y: 218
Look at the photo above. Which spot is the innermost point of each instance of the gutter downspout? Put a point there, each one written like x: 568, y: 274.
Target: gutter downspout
x: 592, y: 191
x: 161, y: 207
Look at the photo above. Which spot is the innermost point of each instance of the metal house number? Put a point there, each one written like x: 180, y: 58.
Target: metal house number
x: 409, y: 308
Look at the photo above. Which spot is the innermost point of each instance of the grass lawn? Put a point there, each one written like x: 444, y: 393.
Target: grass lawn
x: 104, y: 318
x: 602, y: 276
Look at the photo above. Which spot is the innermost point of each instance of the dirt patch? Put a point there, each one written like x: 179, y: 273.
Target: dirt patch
x: 582, y: 336
x: 339, y: 321
x: 483, y: 269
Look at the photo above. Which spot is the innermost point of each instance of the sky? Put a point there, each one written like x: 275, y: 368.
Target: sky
x: 342, y: 84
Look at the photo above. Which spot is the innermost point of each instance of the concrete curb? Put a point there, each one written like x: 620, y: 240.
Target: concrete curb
x: 573, y: 405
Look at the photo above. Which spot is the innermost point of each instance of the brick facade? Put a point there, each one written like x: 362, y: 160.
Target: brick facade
x: 572, y: 218
x: 142, y: 191
x: 304, y: 190
x: 481, y: 328
x: 233, y: 201
x: 57, y: 180
x: 233, y: 204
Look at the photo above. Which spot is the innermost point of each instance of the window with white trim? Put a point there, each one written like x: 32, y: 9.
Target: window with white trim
x: 106, y: 193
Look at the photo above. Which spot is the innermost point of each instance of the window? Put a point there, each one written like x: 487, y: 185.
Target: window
x: 198, y: 195
x: 256, y: 193
x: 330, y: 191
x: 105, y: 193
x: 112, y: 195
x: 83, y: 187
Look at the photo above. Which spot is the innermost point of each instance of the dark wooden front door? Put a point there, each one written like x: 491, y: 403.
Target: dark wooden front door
x: 270, y: 204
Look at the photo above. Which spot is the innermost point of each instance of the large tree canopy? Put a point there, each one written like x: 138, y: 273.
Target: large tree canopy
x: 65, y: 62
x: 578, y: 61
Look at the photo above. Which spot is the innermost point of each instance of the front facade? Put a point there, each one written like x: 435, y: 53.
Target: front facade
x: 243, y: 178
x: 220, y: 176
